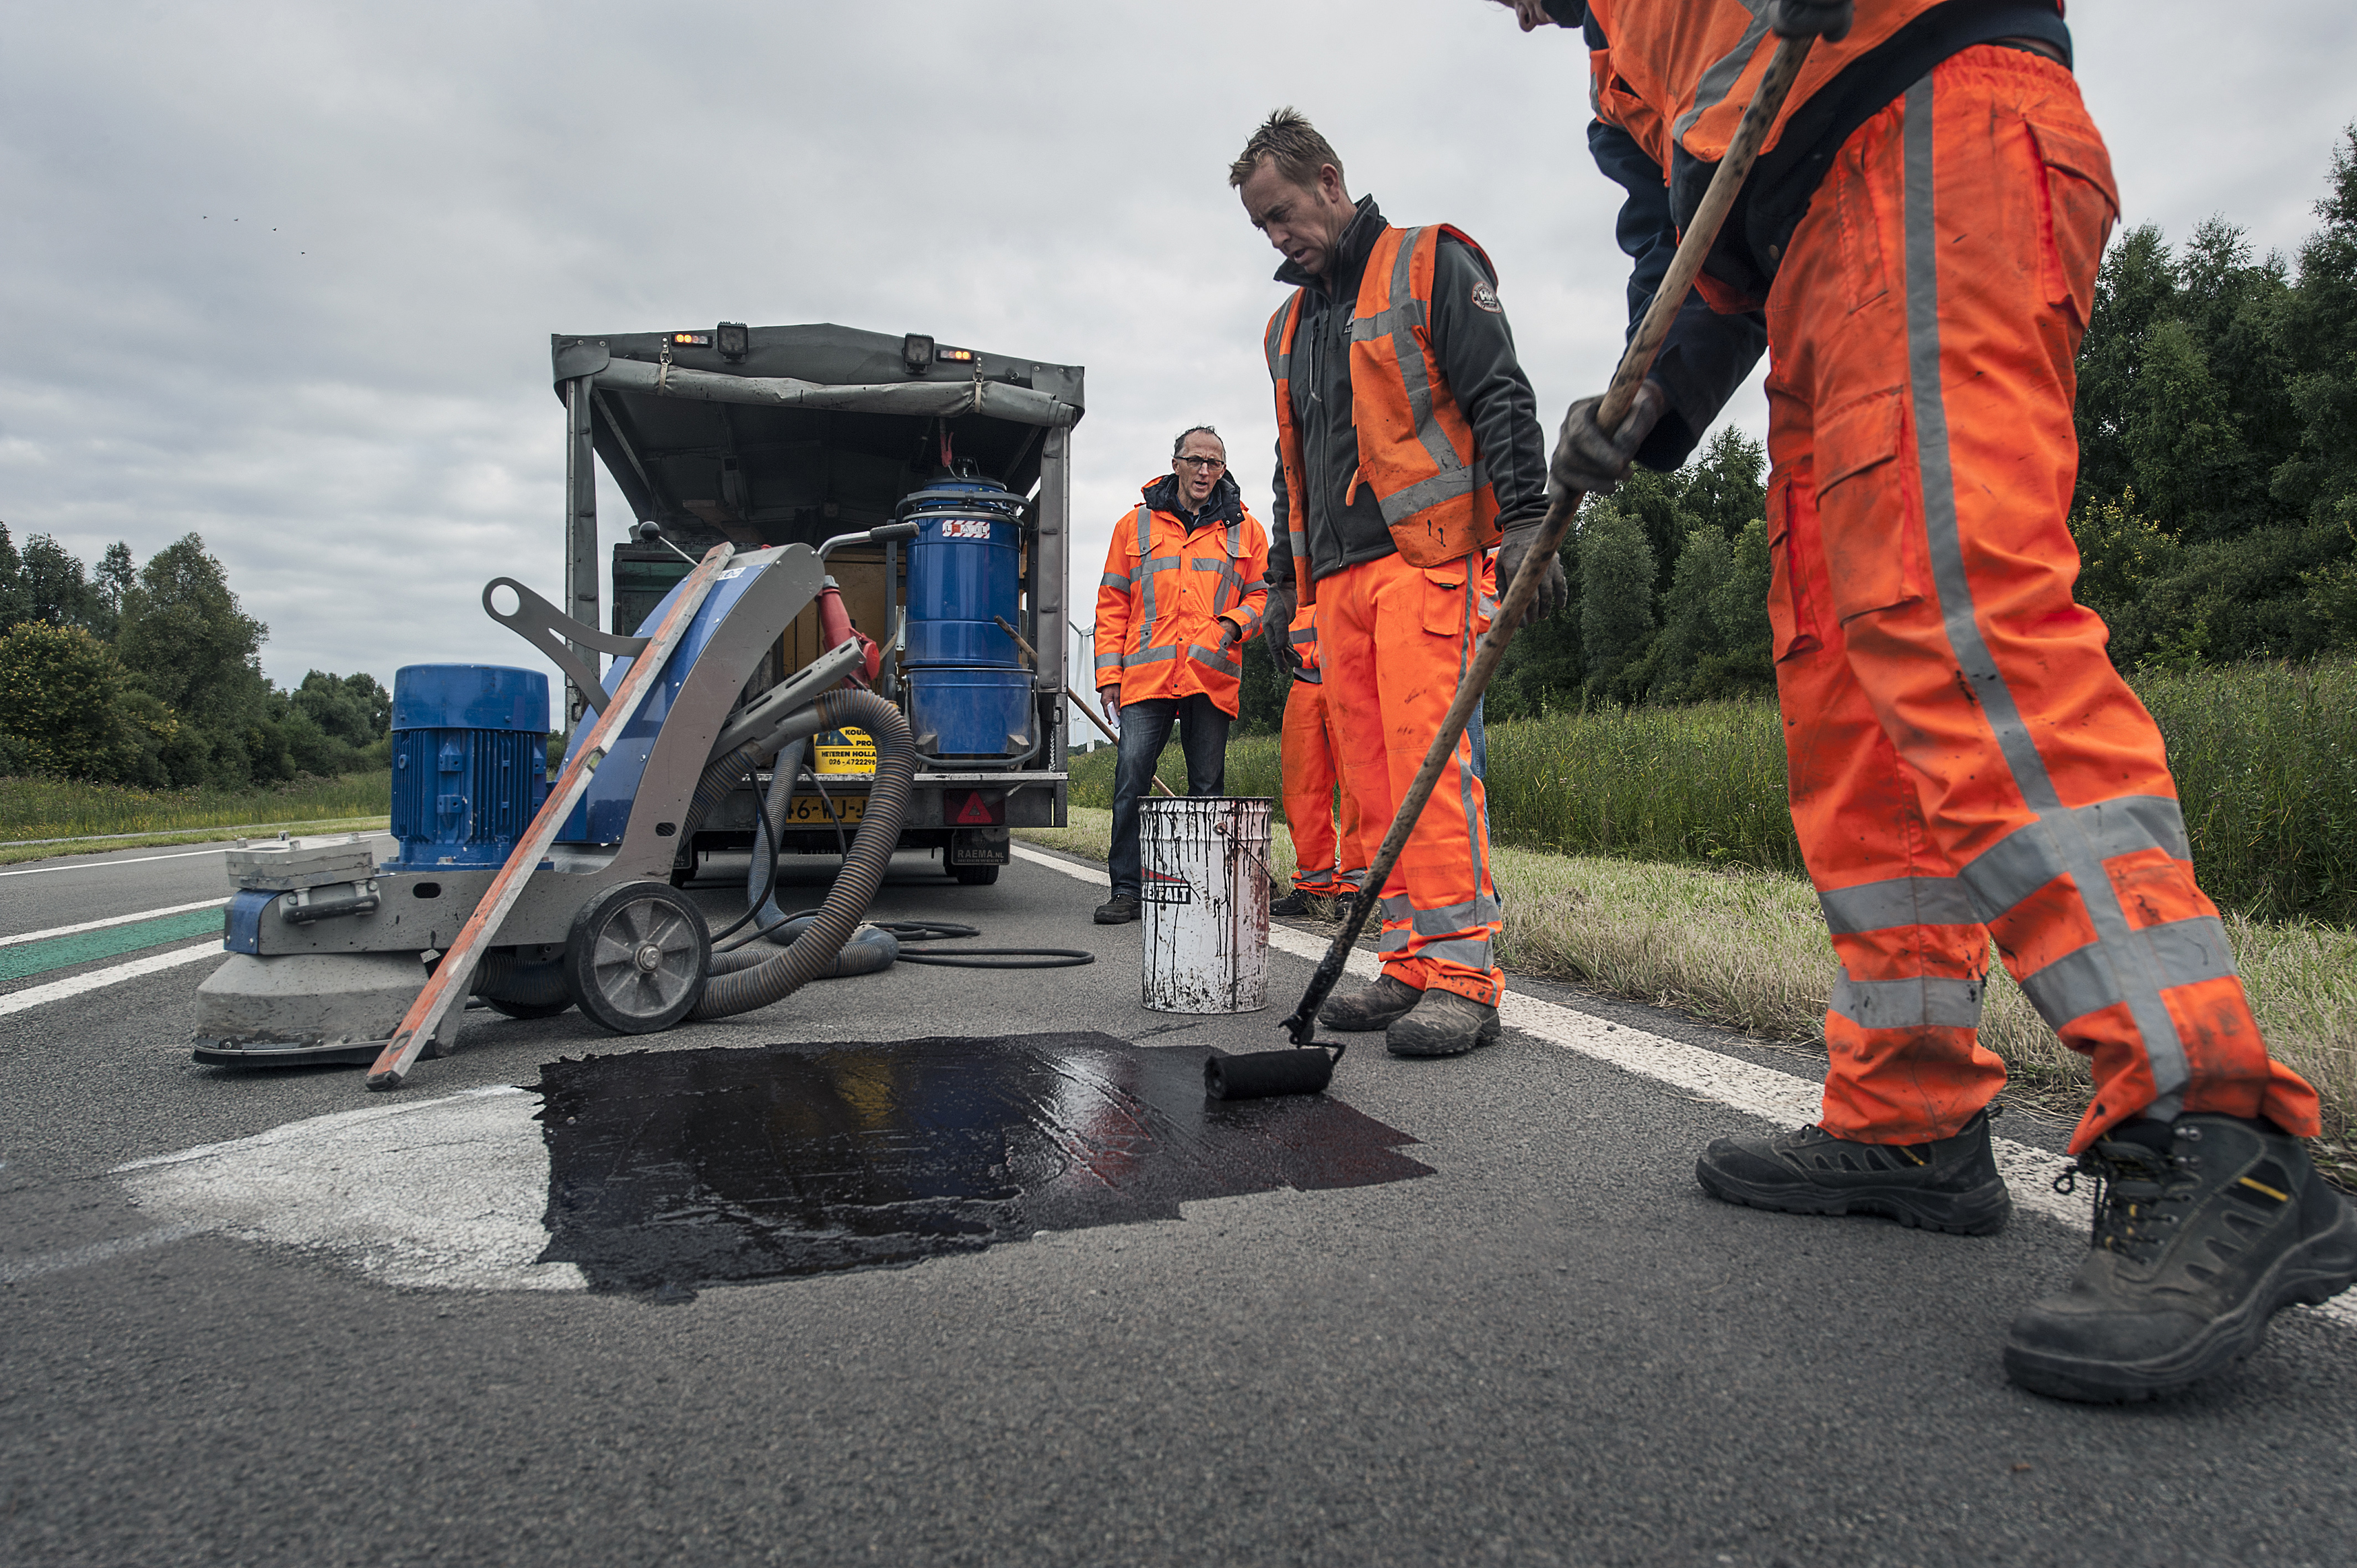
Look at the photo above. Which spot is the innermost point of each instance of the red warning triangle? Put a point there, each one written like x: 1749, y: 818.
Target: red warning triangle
x: 973, y: 810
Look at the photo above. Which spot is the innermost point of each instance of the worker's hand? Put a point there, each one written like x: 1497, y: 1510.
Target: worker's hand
x: 1109, y: 699
x: 1228, y: 632
x: 1554, y: 588
x: 1593, y: 461
x: 1532, y: 14
x: 1277, y: 625
x: 1826, y: 19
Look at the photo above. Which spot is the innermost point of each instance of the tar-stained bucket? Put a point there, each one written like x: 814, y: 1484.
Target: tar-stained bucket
x: 1205, y: 888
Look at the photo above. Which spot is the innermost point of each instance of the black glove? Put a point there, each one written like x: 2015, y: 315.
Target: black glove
x: 1554, y: 588
x: 1826, y: 19
x: 1588, y: 460
x: 1277, y: 625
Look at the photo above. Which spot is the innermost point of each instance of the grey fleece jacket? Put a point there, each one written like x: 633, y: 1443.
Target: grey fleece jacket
x: 1476, y: 350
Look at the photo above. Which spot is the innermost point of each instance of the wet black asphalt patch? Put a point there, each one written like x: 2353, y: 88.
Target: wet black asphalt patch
x: 672, y: 1170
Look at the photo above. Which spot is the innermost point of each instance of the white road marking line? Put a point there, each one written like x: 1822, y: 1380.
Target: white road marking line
x: 14, y: 1271
x: 111, y: 920
x: 103, y: 865
x: 1773, y: 1096
x: 75, y: 985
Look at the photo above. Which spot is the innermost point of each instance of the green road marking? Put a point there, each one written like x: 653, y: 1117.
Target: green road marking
x: 57, y: 952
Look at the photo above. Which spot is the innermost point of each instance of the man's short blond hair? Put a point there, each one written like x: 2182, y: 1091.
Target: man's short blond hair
x: 1293, y: 143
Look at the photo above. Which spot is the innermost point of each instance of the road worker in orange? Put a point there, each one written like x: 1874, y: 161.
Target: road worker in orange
x: 1918, y: 240
x: 1184, y: 581
x: 1408, y: 446
x: 1327, y: 865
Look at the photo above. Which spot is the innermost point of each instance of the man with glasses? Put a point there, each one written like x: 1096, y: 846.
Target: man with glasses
x: 1182, y: 591
x: 1408, y: 444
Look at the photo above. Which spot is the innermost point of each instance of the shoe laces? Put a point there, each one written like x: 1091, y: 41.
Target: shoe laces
x: 2140, y: 1196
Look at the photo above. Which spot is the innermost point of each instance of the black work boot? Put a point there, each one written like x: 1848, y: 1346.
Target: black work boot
x: 1442, y: 1024
x: 1950, y: 1184
x: 2202, y: 1233
x: 1117, y: 910
x: 1373, y: 1007
x: 1292, y: 907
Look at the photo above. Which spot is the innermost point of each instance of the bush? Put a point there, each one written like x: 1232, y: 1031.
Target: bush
x: 67, y: 706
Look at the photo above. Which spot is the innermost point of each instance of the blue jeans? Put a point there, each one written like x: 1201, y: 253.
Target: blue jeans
x: 1145, y: 729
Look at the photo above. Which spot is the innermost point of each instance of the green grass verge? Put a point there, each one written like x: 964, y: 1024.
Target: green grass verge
x: 11, y: 854
x: 2265, y: 755
x: 1747, y: 949
x: 58, y: 809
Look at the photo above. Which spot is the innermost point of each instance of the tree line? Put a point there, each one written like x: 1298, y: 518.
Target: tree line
x: 152, y: 675
x: 2215, y: 512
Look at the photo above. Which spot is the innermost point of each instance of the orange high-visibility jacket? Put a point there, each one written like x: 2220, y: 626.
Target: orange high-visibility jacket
x: 1416, y: 448
x: 1697, y: 65
x: 1164, y: 593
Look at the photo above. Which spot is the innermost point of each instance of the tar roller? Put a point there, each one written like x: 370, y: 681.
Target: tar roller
x: 839, y: 537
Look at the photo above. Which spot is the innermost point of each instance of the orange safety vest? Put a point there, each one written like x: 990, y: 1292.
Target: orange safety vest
x: 1165, y: 590
x: 1416, y: 447
x: 1695, y: 63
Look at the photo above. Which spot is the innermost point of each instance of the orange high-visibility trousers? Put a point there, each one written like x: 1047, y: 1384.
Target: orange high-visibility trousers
x: 1394, y: 641
x: 1965, y: 764
x: 1324, y: 863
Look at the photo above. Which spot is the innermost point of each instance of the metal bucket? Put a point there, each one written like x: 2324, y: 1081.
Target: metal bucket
x: 1205, y: 888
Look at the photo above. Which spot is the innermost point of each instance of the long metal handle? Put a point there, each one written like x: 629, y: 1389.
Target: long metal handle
x: 447, y: 986
x: 1694, y: 246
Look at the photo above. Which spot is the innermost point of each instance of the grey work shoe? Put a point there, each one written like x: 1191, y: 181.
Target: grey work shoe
x: 1118, y: 910
x: 1442, y: 1024
x: 2196, y: 1246
x: 1950, y: 1184
x: 1373, y: 1007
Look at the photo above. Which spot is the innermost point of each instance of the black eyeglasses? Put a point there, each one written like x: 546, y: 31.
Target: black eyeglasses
x: 1213, y: 463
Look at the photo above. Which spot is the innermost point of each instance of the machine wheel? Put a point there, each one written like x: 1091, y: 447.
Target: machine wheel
x: 636, y: 959
x: 975, y: 876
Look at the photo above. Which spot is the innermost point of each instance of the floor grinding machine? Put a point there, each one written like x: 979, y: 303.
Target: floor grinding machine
x: 328, y: 952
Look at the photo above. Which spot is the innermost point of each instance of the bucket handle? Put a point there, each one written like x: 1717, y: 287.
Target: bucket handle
x: 1257, y: 858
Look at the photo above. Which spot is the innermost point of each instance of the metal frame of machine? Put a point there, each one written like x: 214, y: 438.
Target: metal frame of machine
x: 827, y: 431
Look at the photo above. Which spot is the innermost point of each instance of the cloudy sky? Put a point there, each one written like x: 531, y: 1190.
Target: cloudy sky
x: 284, y: 275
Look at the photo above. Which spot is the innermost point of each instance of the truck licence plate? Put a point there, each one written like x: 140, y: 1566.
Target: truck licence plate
x: 809, y: 810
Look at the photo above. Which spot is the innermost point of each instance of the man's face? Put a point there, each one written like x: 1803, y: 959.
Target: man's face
x: 1303, y: 221
x: 1202, y: 460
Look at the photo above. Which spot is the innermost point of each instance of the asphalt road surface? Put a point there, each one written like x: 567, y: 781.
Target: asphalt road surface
x: 268, y: 1317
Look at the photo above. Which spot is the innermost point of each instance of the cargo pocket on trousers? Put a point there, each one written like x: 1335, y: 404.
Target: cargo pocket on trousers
x: 1866, y: 512
x: 2078, y: 204
x: 1791, y: 620
x: 1445, y: 607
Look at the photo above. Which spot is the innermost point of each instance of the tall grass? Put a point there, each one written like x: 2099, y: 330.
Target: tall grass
x: 2265, y: 755
x: 57, y: 809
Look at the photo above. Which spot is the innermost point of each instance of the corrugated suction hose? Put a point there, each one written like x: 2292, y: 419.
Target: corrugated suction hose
x: 743, y: 980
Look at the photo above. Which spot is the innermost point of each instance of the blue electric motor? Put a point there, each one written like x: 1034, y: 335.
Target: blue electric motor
x: 969, y: 696
x: 469, y: 753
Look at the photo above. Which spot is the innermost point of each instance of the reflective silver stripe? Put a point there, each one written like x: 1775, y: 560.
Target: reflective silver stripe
x: 1908, y: 1004
x: 1146, y: 567
x: 1302, y: 636
x: 1109, y: 660
x: 1150, y: 655
x: 1479, y: 910
x: 1471, y: 954
x: 1414, y: 374
x: 1280, y: 352
x: 1233, y: 663
x: 2136, y: 978
x: 1409, y: 313
x: 1397, y: 910
x: 2080, y: 983
x: 1901, y: 901
x: 1119, y: 583
x: 1395, y: 940
x: 1724, y: 72
x: 1446, y: 485
x: 2026, y: 860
